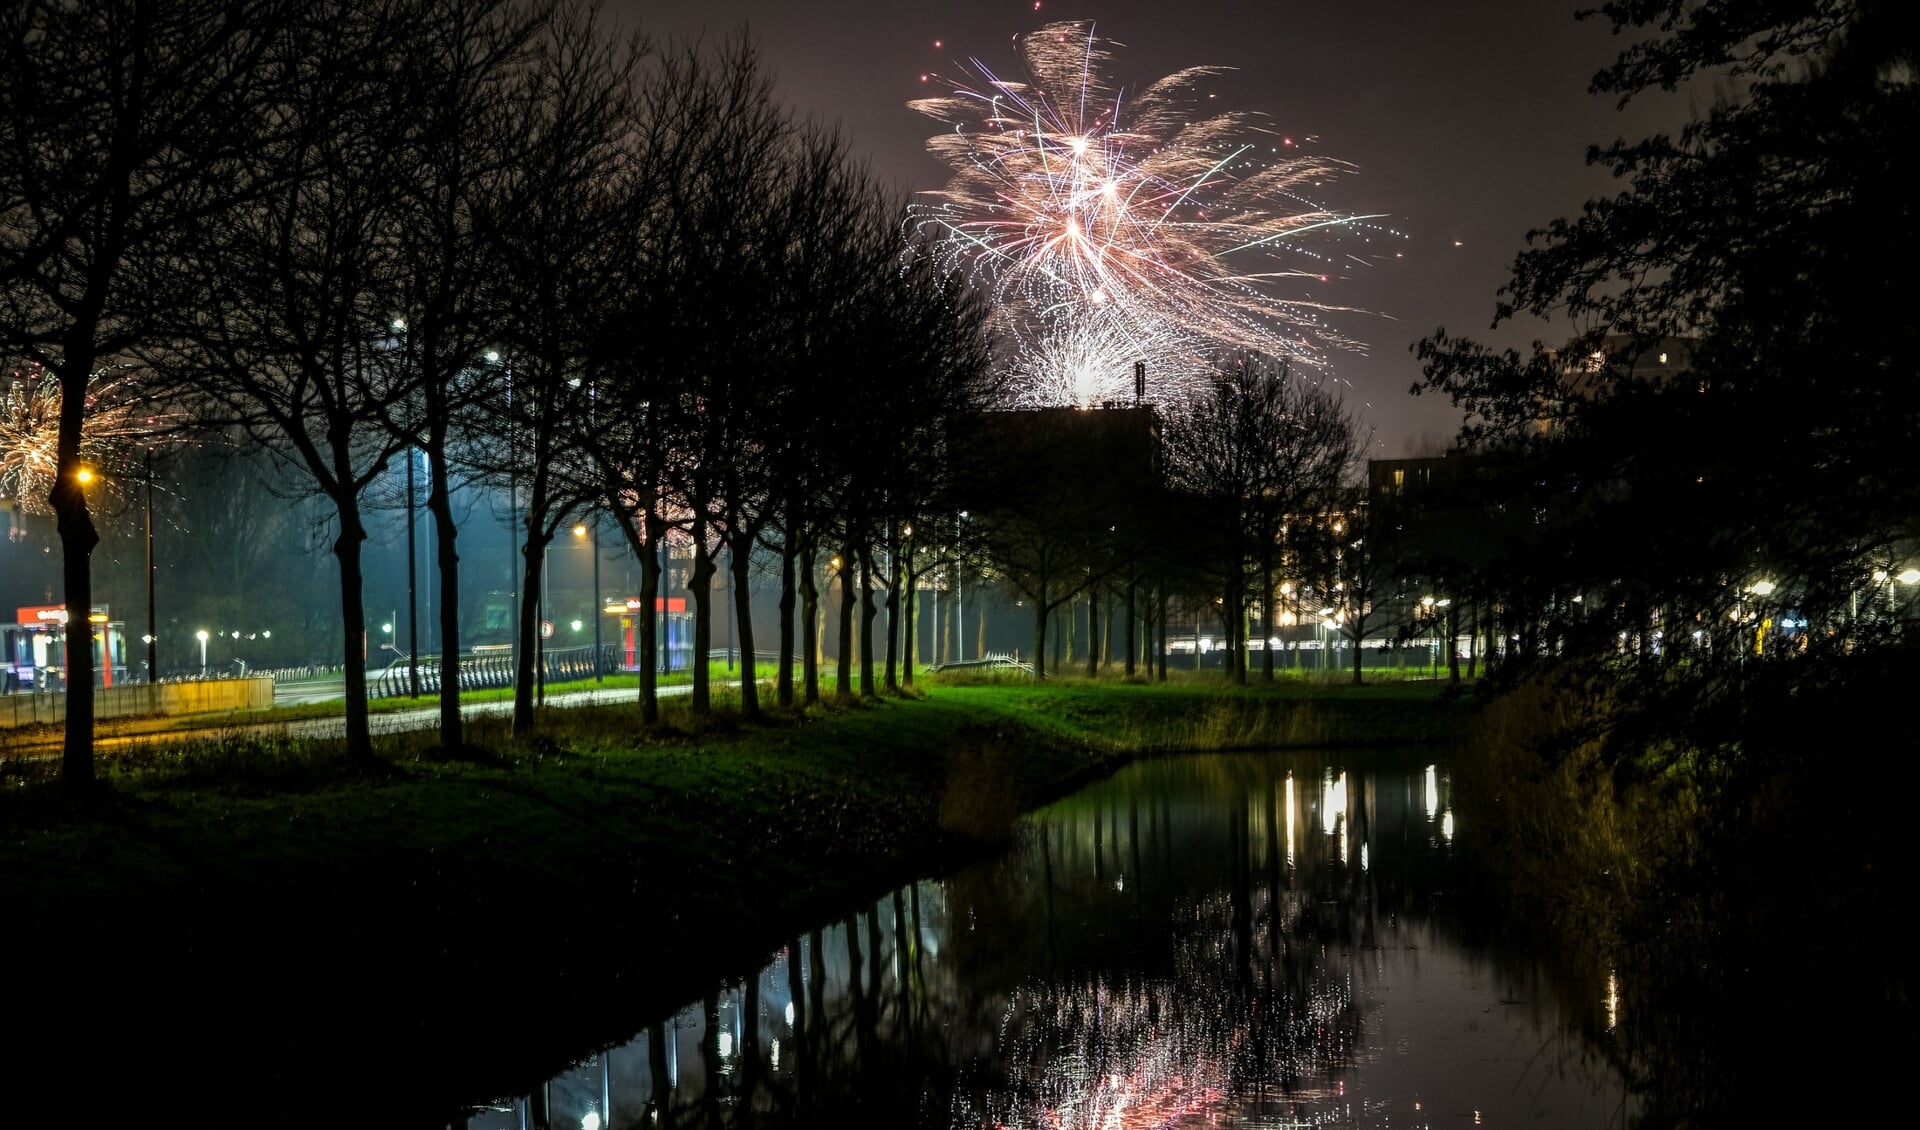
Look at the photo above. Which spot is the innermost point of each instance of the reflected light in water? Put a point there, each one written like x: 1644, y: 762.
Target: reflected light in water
x: 1212, y: 994
x: 1290, y: 818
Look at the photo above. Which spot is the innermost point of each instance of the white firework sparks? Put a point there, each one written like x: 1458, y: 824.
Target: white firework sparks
x: 1113, y: 228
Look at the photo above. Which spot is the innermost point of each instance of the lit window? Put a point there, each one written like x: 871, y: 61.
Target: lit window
x: 1663, y: 358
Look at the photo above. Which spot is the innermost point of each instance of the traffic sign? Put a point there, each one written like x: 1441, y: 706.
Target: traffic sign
x: 546, y: 629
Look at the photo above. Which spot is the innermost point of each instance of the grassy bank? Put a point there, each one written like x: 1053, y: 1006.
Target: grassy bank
x: 594, y: 874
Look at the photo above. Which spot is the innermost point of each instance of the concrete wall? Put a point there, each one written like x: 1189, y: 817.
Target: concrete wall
x: 144, y: 698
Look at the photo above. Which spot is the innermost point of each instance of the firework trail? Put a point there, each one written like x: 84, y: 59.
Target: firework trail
x: 1112, y: 226
x: 117, y: 423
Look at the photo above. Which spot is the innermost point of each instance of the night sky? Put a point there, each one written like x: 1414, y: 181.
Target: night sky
x: 1468, y: 123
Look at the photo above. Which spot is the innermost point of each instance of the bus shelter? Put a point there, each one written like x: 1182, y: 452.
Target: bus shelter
x: 33, y: 649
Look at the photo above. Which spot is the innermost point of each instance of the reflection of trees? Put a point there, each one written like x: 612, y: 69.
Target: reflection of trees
x: 1194, y: 937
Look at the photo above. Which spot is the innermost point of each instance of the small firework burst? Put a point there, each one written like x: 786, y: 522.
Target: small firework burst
x: 117, y: 423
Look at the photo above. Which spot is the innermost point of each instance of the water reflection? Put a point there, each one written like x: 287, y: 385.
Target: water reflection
x: 1197, y: 941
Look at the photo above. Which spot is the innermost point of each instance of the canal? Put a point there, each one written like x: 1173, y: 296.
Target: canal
x: 1247, y: 940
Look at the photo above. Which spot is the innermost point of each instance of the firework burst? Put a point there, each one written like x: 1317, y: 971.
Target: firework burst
x: 116, y: 424
x: 1113, y: 227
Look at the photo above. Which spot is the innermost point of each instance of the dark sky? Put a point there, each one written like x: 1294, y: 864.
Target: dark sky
x: 1468, y: 120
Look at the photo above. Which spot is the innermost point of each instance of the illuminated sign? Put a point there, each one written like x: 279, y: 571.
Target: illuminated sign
x: 660, y: 604
x: 42, y: 614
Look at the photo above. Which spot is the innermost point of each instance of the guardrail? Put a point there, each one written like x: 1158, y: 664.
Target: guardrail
x: 991, y: 661
x: 482, y: 671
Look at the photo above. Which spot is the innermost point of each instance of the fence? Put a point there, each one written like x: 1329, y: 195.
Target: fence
x: 491, y: 670
x: 992, y: 661
x: 144, y: 698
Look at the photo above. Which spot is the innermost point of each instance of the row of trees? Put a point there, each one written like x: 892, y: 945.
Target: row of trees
x: 585, y: 271
x: 1742, y: 523
x: 1243, y: 506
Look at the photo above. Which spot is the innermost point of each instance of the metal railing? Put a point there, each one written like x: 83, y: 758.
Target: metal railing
x: 991, y: 661
x: 488, y: 670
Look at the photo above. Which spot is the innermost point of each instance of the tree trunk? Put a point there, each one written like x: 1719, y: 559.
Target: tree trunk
x: 78, y: 537
x: 700, y: 586
x: 809, y: 625
x: 1359, y: 626
x: 943, y: 624
x: 1266, y: 611
x: 1093, y: 633
x: 1063, y: 634
x: 892, y: 677
x: 740, y: 557
x: 1040, y: 614
x: 1452, y: 631
x: 843, y: 675
x: 1473, y: 646
x: 353, y: 616
x: 77, y: 540
x: 655, y: 531
x: 783, y: 667
x: 1162, y: 649
x: 909, y: 621
x: 1109, y: 611
x: 867, y: 612
x: 447, y: 570
x: 1236, y: 632
x: 533, y: 553
x: 1133, y: 619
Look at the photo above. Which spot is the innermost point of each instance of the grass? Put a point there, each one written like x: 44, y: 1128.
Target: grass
x: 601, y: 863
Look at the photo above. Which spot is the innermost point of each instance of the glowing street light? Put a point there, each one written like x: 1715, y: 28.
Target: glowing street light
x: 201, y: 635
x: 580, y: 533
x: 1908, y: 576
x: 1765, y: 588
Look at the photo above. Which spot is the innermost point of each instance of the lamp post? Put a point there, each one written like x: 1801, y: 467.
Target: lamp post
x: 201, y: 635
x: 593, y: 546
x: 413, y: 603
x: 666, y: 636
x: 960, y: 597
x: 153, y: 636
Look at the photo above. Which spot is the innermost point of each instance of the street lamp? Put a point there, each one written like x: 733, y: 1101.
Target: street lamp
x: 960, y: 596
x: 201, y: 635
x: 593, y: 545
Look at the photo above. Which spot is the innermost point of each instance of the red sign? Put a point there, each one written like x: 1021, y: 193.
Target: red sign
x: 43, y: 614
x: 660, y: 604
x: 546, y: 629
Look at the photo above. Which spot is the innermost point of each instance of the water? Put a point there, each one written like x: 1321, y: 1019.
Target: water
x: 1284, y: 940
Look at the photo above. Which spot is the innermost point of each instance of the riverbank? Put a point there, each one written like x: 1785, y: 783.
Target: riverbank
x: 596, y: 873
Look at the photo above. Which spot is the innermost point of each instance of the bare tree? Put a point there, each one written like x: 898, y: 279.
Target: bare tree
x: 122, y: 126
x: 562, y: 226
x: 452, y: 276
x: 298, y: 345
x: 1265, y: 449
